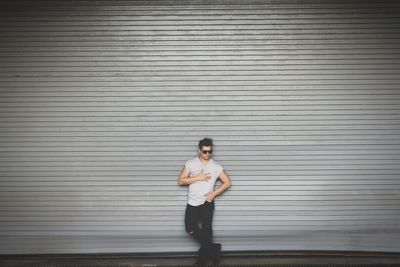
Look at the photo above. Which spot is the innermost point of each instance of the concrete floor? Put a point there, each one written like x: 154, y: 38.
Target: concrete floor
x: 256, y: 259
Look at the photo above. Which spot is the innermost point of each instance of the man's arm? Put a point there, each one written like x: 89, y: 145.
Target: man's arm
x: 226, y: 183
x: 184, y: 178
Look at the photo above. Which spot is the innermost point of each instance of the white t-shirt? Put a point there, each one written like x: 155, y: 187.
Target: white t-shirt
x: 199, y: 189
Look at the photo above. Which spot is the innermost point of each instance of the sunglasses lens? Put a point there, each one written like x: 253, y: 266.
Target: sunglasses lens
x: 207, y: 151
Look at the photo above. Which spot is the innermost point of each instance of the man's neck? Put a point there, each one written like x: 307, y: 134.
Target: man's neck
x: 203, y: 160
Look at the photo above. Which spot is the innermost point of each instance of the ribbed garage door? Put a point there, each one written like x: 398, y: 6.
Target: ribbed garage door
x: 102, y: 102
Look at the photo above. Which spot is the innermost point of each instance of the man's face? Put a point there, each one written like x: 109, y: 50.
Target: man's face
x: 205, y: 152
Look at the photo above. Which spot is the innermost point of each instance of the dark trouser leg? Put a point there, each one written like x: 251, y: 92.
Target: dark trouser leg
x: 192, y: 219
x: 207, y: 213
x: 211, y: 250
x: 198, y: 223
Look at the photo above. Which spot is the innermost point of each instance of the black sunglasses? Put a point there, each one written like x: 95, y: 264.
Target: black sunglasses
x: 207, y: 151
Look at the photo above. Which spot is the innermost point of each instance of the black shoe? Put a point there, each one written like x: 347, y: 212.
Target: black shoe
x: 201, y: 258
x: 215, y: 253
x: 199, y: 263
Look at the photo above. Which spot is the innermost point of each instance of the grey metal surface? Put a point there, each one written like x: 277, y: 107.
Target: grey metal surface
x: 253, y: 259
x: 102, y: 102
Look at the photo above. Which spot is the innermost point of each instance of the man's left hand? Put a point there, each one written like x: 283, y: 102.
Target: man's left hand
x: 210, y: 196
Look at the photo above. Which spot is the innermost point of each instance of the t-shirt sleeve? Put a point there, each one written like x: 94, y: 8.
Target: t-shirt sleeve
x: 187, y: 165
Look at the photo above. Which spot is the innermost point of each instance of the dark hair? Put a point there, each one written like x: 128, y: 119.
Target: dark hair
x: 205, y: 142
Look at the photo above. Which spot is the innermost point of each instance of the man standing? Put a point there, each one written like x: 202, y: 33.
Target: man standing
x: 200, y: 174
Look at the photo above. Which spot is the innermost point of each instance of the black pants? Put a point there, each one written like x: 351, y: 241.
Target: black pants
x: 198, y: 223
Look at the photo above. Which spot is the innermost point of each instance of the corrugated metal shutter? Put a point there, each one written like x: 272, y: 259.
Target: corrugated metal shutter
x: 102, y: 102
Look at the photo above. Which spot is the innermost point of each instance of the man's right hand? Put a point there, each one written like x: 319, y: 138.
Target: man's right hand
x: 184, y: 178
x: 203, y: 176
